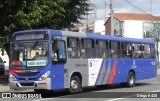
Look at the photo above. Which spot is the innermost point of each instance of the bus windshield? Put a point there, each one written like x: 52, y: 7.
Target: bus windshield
x: 29, y: 54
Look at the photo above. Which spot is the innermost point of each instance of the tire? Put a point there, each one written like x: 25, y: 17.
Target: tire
x: 75, y: 85
x: 131, y: 79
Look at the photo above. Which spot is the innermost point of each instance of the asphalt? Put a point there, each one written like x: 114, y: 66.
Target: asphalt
x: 114, y: 92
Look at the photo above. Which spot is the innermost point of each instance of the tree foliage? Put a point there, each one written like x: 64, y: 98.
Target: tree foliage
x: 18, y: 15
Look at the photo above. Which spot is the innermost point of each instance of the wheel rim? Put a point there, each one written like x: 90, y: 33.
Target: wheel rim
x: 131, y: 80
x: 74, y: 84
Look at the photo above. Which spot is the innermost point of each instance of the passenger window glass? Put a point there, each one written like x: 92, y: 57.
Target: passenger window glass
x: 137, y: 53
x: 146, y: 51
x: 115, y: 50
x: 74, y: 48
x: 58, y: 49
x: 88, y: 50
x: 102, y: 49
x: 152, y: 51
x: 126, y: 50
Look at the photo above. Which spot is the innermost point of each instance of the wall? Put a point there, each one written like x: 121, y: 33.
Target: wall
x: 99, y: 27
x: 108, y: 28
x: 133, y: 29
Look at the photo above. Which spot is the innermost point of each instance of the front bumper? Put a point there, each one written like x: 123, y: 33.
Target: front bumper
x: 45, y: 84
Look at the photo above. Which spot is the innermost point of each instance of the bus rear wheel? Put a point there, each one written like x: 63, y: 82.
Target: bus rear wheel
x: 131, y: 79
x: 75, y: 85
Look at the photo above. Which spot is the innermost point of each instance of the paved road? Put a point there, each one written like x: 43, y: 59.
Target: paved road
x: 103, y: 93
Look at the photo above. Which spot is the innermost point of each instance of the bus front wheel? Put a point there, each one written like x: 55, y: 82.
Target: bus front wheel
x: 75, y: 85
x: 131, y: 79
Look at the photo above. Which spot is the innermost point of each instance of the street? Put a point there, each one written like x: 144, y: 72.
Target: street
x: 103, y: 93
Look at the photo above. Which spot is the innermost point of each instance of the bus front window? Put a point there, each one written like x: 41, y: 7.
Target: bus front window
x: 30, y: 54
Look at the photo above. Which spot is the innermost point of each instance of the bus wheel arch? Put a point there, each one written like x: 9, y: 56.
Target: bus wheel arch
x: 131, y: 78
x: 75, y: 83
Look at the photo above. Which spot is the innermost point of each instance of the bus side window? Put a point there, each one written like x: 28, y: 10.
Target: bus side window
x: 137, y: 52
x: 115, y: 51
x: 88, y: 50
x: 101, y: 49
x: 126, y: 50
x: 73, y: 48
x: 146, y: 51
x: 58, y: 49
x: 152, y: 51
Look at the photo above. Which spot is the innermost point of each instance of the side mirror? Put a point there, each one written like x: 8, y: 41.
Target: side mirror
x: 4, y: 61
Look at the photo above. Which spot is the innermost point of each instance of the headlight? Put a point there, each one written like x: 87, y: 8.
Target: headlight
x: 44, y: 76
x: 11, y: 77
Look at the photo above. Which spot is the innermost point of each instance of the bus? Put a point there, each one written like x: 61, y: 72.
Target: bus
x: 49, y: 60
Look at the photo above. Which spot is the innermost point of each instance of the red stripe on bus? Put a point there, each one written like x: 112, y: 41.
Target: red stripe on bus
x: 15, y: 71
x: 111, y: 77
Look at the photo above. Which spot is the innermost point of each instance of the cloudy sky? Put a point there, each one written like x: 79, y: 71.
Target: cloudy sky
x: 121, y: 6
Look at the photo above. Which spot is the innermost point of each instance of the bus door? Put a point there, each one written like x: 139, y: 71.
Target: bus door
x: 58, y: 60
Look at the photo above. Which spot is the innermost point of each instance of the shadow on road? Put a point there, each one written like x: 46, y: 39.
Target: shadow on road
x: 4, y: 80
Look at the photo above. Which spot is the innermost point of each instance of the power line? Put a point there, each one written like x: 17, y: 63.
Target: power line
x: 141, y: 10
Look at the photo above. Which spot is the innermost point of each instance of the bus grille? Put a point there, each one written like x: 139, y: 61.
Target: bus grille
x: 28, y: 78
x: 28, y: 74
x: 27, y: 84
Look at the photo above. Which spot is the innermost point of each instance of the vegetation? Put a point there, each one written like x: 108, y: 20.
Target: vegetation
x: 18, y: 15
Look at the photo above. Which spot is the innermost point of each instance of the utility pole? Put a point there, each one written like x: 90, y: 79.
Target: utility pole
x: 111, y: 16
x: 151, y: 7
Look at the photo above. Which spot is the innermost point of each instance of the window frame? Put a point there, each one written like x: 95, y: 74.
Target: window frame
x: 129, y: 54
x: 107, y: 49
x: 83, y: 47
x: 59, y: 61
x: 119, y: 49
x: 78, y: 48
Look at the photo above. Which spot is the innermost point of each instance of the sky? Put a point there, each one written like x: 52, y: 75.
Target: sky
x: 121, y: 6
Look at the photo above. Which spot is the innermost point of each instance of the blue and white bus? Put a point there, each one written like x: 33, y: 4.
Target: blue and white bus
x: 54, y: 59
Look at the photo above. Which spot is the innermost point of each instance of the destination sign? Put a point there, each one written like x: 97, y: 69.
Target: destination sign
x: 36, y: 63
x: 30, y: 36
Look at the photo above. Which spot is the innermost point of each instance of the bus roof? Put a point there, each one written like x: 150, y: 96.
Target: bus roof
x: 89, y: 35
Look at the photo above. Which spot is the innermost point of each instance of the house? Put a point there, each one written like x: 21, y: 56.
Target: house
x: 94, y: 26
x: 133, y: 25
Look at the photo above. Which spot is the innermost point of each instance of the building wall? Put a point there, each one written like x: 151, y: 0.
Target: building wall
x: 133, y: 29
x: 99, y: 27
x: 108, y: 28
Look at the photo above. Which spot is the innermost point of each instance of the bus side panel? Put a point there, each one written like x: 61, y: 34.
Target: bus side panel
x: 57, y: 76
x: 127, y: 64
x: 76, y: 66
x: 139, y: 68
x: 116, y: 74
x: 150, y: 68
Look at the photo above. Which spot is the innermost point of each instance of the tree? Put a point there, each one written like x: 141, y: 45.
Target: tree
x: 18, y: 15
